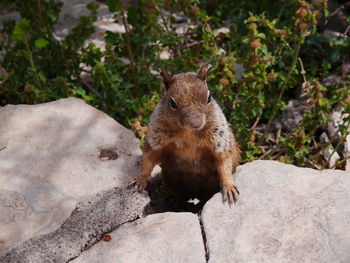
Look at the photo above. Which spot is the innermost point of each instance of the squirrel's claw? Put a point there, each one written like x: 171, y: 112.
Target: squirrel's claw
x: 235, y: 187
x: 137, y: 183
x: 229, y: 193
x: 131, y: 183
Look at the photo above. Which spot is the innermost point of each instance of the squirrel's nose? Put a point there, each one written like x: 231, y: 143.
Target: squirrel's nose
x: 197, y: 123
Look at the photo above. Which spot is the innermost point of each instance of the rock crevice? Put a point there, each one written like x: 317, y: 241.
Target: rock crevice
x: 89, y: 222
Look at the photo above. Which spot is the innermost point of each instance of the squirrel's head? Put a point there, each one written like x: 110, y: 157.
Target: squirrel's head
x: 187, y: 99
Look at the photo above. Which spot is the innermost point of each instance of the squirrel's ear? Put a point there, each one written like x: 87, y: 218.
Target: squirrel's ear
x: 167, y: 78
x: 203, y: 71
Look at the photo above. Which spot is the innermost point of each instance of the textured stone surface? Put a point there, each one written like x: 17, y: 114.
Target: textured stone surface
x: 291, y: 118
x: 347, y: 152
x: 337, y: 119
x: 70, y: 15
x: 52, y: 155
x: 165, y: 237
x: 92, y: 218
x: 284, y: 214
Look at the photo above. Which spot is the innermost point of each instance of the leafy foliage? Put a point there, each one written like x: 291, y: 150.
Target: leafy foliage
x: 278, y: 45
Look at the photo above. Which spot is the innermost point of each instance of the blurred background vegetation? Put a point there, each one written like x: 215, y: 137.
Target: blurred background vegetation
x: 274, y: 70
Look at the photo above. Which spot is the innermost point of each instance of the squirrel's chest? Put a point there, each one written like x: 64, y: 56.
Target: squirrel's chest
x: 189, y: 150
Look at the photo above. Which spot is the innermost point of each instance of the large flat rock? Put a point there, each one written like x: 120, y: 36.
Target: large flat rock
x: 165, y: 237
x: 51, y: 156
x: 93, y: 217
x: 284, y: 214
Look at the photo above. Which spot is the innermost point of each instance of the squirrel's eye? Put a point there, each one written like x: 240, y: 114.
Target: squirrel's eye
x: 209, y: 98
x: 173, y: 103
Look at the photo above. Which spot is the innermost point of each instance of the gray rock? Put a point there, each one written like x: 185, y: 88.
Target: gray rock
x: 239, y: 70
x: 291, y: 118
x: 336, y: 21
x: 70, y: 16
x: 329, y: 153
x: 53, y: 155
x: 347, y: 152
x: 8, y: 13
x: 284, y: 214
x: 89, y: 222
x: 166, y: 237
x: 336, y: 121
x: 333, y: 80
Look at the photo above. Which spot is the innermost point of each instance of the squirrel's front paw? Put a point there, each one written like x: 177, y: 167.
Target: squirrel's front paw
x: 229, y: 193
x: 138, y: 182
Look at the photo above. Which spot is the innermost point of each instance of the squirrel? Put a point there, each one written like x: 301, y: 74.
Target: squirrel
x: 189, y: 136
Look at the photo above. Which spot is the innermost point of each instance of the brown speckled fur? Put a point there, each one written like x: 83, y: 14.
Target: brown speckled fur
x: 196, y: 162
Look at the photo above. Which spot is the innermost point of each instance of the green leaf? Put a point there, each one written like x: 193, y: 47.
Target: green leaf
x: 22, y: 53
x: 326, y: 64
x: 87, y: 98
x: 41, y: 43
x: 80, y: 91
x: 36, y: 91
x: 340, y: 41
x: 41, y: 76
x: 20, y: 30
x: 326, y: 12
x: 257, y: 111
x: 93, y: 7
x: 113, y: 38
x: 323, y: 102
x: 128, y: 85
x: 113, y: 5
x: 262, y: 35
x: 245, y: 40
x: 53, y: 16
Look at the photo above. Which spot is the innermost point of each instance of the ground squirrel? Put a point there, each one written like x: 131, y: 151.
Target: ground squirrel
x: 189, y: 136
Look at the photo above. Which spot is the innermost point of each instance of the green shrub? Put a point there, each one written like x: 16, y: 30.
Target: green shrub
x: 279, y: 44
